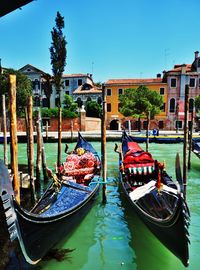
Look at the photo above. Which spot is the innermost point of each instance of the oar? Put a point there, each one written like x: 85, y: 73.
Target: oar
x: 178, y: 172
x: 66, y: 148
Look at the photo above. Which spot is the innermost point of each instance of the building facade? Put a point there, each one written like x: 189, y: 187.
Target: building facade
x: 80, y: 86
x: 177, y: 79
x: 37, y: 78
x: 116, y: 87
x: 171, y: 86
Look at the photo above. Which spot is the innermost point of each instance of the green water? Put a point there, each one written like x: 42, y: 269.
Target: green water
x: 109, y: 238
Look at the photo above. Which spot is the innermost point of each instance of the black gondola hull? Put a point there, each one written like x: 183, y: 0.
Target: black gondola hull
x: 171, y: 233
x: 155, y: 198
x: 38, y: 236
x: 62, y: 206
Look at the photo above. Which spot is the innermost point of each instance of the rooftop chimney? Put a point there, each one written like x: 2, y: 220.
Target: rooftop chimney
x: 196, y: 54
x: 183, y: 69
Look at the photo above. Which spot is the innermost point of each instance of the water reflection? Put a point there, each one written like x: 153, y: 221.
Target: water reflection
x: 149, y: 251
x: 111, y: 237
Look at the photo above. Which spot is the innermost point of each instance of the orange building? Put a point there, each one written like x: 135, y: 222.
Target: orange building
x: 115, y: 87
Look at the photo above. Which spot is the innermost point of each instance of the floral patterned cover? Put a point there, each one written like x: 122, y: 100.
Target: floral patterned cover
x: 79, y: 164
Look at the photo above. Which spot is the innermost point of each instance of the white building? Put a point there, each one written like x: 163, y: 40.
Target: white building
x: 80, y: 86
x: 37, y: 77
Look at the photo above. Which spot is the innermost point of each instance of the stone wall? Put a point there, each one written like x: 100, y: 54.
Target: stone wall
x: 92, y: 123
x: 78, y: 124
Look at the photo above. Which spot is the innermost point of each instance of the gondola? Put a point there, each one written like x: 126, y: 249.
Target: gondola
x: 65, y: 202
x: 153, y: 195
x: 196, y: 148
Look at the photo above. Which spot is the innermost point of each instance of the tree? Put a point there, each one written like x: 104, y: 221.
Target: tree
x: 98, y: 84
x: 58, y: 61
x: 140, y: 102
x: 93, y: 109
x: 58, y: 53
x: 69, y: 104
x: 23, y: 88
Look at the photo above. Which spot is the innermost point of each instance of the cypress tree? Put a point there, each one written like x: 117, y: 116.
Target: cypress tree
x: 58, y: 61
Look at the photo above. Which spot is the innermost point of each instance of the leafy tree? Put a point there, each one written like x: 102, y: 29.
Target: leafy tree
x: 139, y: 102
x: 23, y: 88
x: 98, y: 84
x: 93, y: 109
x: 69, y: 104
x: 58, y: 53
x: 53, y: 113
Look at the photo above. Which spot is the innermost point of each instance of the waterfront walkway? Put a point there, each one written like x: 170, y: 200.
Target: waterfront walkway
x: 96, y: 135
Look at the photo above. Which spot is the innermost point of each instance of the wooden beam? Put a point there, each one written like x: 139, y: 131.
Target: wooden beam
x: 13, y: 135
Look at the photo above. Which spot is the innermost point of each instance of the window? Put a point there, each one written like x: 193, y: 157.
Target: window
x: 37, y: 83
x: 119, y: 106
x: 191, y: 105
x: 89, y: 99
x: 161, y: 124
x: 66, y: 82
x: 137, y: 125
x: 66, y: 92
x: 109, y: 92
x: 192, y: 82
x: 120, y: 92
x: 178, y: 124
x: 172, y: 105
x: 79, y: 102
x: 108, y: 107
x: 162, y: 91
x: 79, y: 81
x: 173, y: 82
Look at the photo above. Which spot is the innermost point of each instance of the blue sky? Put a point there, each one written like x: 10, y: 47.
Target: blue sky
x: 108, y: 38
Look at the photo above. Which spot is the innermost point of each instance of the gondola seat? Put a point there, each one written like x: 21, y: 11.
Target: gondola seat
x: 138, y: 162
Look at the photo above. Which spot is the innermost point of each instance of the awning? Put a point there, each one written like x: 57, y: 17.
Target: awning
x: 7, y: 6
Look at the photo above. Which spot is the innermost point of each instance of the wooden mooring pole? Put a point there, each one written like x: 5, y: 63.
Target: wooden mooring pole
x: 4, y: 131
x: 190, y: 140
x: 39, y: 149
x: 13, y: 135
x: 147, y: 132
x: 72, y: 127
x: 59, y: 135
x: 185, y: 144
x: 31, y: 148
x: 47, y: 130
x: 103, y: 144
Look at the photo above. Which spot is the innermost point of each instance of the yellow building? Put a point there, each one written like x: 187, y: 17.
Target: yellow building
x: 115, y: 87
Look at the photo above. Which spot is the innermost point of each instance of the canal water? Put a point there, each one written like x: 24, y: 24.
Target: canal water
x: 110, y: 237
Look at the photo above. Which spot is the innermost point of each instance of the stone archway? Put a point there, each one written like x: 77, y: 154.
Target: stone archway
x: 114, y: 124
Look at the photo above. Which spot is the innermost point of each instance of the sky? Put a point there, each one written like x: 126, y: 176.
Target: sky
x: 111, y: 39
